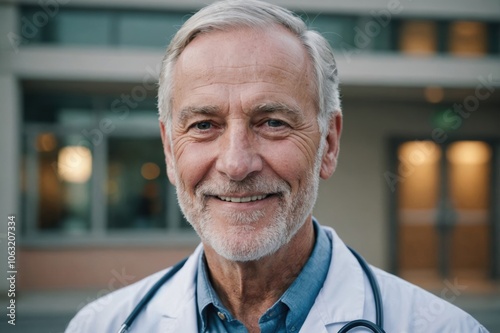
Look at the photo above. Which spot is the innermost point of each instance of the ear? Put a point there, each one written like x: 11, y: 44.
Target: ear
x: 329, y: 160
x: 167, y: 149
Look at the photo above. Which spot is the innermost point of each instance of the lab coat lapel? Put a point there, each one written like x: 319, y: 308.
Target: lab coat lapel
x: 315, y: 321
x: 186, y: 320
x: 177, y: 303
x: 342, y: 297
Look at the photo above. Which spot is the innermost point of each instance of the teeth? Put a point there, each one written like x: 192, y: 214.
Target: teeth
x: 244, y: 199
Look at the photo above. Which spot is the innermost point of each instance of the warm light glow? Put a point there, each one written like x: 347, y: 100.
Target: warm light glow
x: 434, y: 94
x: 150, y: 171
x: 75, y: 164
x: 46, y: 142
x: 468, y: 38
x: 419, y: 152
x: 418, y: 173
x: 418, y: 37
x: 470, y: 181
x: 469, y: 152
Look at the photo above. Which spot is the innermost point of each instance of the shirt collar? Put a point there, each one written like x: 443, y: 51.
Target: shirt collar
x: 300, y: 296
x: 206, y: 295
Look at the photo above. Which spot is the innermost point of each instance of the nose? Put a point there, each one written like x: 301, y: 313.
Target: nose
x: 238, y: 152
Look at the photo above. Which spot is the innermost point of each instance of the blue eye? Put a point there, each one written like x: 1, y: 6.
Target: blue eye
x: 203, y: 125
x: 275, y: 123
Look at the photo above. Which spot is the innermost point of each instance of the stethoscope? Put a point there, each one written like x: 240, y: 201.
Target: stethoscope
x: 376, y: 327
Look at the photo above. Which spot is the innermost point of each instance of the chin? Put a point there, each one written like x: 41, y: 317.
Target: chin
x: 242, y: 243
x: 241, y: 253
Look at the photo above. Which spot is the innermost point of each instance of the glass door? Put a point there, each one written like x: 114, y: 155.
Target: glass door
x: 444, y: 209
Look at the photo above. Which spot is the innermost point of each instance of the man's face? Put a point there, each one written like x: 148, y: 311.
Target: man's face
x: 243, y: 152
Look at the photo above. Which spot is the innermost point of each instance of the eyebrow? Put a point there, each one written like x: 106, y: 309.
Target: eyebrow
x: 189, y: 111
x: 272, y: 107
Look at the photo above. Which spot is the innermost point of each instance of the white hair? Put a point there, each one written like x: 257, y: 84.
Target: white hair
x: 231, y: 14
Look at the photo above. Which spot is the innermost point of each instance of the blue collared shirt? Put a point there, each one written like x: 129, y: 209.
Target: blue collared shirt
x: 287, y: 314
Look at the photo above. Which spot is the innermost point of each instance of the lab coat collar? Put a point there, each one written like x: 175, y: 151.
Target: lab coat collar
x: 176, y: 300
x: 342, y: 297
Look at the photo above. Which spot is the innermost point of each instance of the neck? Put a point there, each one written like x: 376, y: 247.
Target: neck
x: 248, y: 289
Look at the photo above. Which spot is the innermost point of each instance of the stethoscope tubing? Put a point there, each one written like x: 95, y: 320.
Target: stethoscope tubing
x: 149, y: 295
x: 376, y: 328
x: 377, y: 296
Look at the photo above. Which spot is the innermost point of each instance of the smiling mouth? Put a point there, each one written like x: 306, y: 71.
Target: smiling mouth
x: 243, y: 199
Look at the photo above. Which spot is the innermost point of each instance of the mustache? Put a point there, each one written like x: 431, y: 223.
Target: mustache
x: 255, y: 184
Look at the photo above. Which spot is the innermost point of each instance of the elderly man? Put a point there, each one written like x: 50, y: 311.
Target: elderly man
x: 250, y: 121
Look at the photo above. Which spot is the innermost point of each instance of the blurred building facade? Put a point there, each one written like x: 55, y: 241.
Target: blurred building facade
x: 417, y: 190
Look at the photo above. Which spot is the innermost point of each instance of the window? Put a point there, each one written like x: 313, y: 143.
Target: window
x: 89, y: 170
x: 346, y: 33
x: 338, y: 30
x: 81, y: 28
x: 418, y: 37
x: 468, y: 38
x: 105, y: 27
x: 62, y: 169
x: 136, y: 186
x: 148, y: 29
x: 373, y: 33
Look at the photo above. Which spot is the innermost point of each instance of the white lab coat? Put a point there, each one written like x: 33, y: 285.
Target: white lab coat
x: 345, y: 296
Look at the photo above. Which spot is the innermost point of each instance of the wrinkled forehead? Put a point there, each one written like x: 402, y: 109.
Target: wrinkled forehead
x: 274, y: 51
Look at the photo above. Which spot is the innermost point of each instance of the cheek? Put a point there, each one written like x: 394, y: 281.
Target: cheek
x: 289, y: 162
x: 193, y: 163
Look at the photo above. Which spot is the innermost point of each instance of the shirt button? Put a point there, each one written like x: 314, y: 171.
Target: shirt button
x: 221, y: 315
x: 292, y: 329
